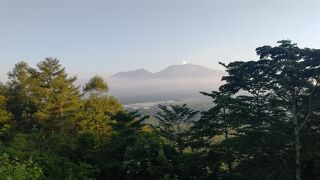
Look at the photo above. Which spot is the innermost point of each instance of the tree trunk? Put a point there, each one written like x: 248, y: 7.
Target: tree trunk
x: 61, y: 119
x: 229, y: 161
x: 298, y: 156
x: 297, y: 143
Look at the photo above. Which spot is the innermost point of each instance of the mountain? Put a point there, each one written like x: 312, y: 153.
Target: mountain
x: 176, y: 82
x: 136, y: 74
x: 185, y: 71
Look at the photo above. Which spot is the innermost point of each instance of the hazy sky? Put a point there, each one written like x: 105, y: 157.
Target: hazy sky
x: 104, y: 37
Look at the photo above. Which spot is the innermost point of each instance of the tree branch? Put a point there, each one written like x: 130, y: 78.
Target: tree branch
x: 309, y: 108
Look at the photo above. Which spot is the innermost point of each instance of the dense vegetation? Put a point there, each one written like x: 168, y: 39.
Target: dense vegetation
x: 263, y: 124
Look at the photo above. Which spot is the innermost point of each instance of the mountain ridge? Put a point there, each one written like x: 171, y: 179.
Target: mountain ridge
x: 184, y: 71
x: 138, y: 73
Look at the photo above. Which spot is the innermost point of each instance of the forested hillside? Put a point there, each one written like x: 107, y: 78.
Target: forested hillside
x: 263, y: 125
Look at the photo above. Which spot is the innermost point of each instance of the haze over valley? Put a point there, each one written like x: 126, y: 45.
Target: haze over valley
x: 175, y: 83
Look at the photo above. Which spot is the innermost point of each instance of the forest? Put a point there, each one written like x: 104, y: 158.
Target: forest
x: 263, y: 125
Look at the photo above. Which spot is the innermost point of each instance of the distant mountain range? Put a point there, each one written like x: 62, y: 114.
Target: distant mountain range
x: 176, y: 82
x: 185, y: 71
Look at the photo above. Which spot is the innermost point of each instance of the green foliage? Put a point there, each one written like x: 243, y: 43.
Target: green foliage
x: 98, y: 108
x: 177, y: 128
x: 96, y: 86
x: 146, y: 158
x: 5, y: 117
x: 279, y: 100
x: 126, y: 128
x: 218, y: 128
x: 175, y: 123
x: 13, y: 168
x: 58, y: 99
x: 20, y: 94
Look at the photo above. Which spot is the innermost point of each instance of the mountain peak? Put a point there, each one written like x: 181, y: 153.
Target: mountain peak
x: 140, y: 70
x: 187, y: 71
x: 139, y: 73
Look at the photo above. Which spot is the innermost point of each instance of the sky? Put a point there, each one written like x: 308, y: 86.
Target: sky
x: 107, y: 36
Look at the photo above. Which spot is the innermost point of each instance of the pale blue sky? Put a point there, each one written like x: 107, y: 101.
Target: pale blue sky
x: 104, y: 36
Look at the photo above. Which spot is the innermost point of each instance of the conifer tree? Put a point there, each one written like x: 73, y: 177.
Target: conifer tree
x: 175, y: 123
x: 21, y: 96
x: 57, y: 96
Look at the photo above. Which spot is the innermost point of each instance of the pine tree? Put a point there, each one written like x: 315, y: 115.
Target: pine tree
x: 58, y: 98
x: 175, y: 123
x: 21, y: 96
